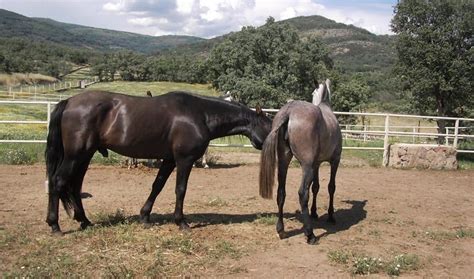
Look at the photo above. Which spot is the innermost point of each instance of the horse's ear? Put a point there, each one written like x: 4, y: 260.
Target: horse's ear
x: 258, y: 109
x: 328, y: 90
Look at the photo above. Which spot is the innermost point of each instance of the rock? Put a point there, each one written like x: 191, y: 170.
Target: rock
x: 422, y: 156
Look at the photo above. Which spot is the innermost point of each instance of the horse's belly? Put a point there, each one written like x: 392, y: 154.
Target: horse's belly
x: 142, y: 151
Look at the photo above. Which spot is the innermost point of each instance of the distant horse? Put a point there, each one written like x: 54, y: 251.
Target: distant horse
x: 311, y: 133
x: 176, y: 127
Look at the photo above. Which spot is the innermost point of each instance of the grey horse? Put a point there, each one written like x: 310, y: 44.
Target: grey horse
x: 311, y: 133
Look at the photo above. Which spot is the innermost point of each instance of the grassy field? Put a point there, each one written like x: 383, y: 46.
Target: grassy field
x: 156, y: 88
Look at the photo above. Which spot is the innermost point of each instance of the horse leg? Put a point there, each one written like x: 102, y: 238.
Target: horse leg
x: 79, y: 213
x: 61, y: 180
x: 308, y: 175
x: 315, y: 190
x: 166, y: 169
x: 183, y: 170
x: 204, y: 161
x: 284, y: 158
x: 332, y: 190
x: 52, y: 217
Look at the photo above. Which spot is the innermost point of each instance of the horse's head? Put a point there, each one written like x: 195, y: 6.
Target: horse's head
x: 260, y: 128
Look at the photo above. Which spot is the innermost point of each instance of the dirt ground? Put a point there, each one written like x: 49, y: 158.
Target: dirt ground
x: 379, y: 212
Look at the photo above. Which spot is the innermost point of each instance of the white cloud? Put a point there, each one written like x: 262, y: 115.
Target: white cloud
x: 184, y: 6
x: 114, y: 7
x: 147, y: 21
x: 208, y: 18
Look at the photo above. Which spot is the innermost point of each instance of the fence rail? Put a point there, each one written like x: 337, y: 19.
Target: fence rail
x: 47, y: 92
x: 365, y: 133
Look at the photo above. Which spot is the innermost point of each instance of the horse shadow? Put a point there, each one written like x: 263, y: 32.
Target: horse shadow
x: 346, y: 218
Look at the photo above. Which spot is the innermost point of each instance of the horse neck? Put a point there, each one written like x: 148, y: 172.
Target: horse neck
x: 231, y: 121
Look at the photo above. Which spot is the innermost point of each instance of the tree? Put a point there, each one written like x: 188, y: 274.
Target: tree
x: 268, y: 65
x: 351, y: 95
x: 435, y: 58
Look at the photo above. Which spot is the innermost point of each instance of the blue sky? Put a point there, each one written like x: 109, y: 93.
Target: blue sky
x: 203, y: 18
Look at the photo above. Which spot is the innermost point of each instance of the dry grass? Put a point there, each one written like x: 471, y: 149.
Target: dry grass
x: 20, y: 78
x: 118, y: 247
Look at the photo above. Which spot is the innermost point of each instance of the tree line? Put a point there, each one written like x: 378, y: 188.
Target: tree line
x: 271, y: 64
x: 26, y: 56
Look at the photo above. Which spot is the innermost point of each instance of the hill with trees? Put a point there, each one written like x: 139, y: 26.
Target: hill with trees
x: 353, y: 55
x: 13, y: 25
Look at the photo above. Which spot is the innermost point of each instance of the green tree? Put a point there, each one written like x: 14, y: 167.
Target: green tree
x: 435, y: 58
x: 351, y: 95
x: 268, y: 65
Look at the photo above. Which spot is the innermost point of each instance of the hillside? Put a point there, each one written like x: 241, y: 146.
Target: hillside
x: 13, y: 25
x: 353, y: 49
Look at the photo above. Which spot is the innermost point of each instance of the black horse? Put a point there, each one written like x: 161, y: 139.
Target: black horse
x: 175, y: 127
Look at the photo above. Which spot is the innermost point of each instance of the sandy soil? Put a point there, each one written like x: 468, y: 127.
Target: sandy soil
x: 380, y: 212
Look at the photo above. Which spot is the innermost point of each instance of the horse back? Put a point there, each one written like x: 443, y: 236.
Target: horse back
x: 141, y: 127
x: 313, y: 132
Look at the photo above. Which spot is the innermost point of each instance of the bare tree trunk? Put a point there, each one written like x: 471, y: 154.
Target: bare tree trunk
x: 441, y: 130
x: 441, y: 109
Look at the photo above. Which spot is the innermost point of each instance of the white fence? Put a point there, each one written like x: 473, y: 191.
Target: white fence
x: 387, y: 133
x: 43, y: 92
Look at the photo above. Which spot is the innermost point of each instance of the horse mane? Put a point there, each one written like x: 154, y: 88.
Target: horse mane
x: 322, y: 94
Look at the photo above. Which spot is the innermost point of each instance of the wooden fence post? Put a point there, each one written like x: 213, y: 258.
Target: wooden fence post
x: 48, y: 117
x: 456, y: 133
x: 365, y: 132
x: 446, y: 140
x: 385, y: 142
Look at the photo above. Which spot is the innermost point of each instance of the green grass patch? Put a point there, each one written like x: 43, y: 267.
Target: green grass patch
x: 362, y: 264
x: 21, y: 153
x: 402, y: 262
x: 339, y: 256
x: 217, y: 202
x: 109, y: 219
x: 450, y: 235
x: 365, y: 265
x: 182, y: 243
x: 372, y: 157
x: 223, y: 249
x: 266, y: 219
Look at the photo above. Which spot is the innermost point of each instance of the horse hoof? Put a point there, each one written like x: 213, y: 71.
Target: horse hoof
x: 314, y: 216
x: 184, y: 227
x: 57, y: 233
x: 312, y: 240
x: 84, y: 226
x: 282, y: 235
x: 147, y: 225
x: 145, y: 219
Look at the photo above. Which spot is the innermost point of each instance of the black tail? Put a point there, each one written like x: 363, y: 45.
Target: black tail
x: 54, y: 155
x: 268, y: 157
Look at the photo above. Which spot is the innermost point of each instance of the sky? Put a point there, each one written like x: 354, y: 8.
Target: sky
x: 202, y: 18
